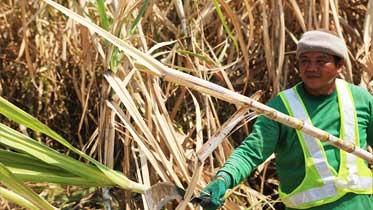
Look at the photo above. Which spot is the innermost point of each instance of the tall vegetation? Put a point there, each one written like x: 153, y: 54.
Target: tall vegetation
x: 103, y: 129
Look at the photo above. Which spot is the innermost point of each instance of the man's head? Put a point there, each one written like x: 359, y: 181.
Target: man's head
x: 321, y: 56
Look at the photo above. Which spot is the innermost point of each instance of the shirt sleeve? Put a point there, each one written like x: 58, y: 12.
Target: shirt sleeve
x: 255, y: 149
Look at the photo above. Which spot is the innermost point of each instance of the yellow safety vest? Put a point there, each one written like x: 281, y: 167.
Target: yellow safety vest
x: 321, y: 183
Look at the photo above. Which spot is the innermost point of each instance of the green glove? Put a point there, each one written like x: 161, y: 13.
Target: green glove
x: 212, y: 196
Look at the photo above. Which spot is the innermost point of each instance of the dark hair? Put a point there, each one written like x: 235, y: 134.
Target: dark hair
x: 337, y: 59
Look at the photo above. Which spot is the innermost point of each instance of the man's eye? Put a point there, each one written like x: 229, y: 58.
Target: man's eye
x: 303, y: 62
x: 321, y: 62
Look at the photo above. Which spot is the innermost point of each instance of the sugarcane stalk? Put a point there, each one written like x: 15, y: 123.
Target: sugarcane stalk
x: 225, y: 94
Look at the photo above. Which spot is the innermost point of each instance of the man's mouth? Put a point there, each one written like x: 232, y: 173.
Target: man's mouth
x: 312, y: 75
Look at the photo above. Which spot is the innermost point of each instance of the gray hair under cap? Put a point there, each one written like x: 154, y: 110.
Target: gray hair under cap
x: 321, y: 41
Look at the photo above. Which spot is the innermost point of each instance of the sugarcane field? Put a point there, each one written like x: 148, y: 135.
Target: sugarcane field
x: 186, y: 104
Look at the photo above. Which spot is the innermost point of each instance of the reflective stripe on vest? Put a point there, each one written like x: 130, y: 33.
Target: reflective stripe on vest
x: 350, y: 135
x: 330, y: 186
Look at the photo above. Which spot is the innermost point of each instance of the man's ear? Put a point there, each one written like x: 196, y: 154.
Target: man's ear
x: 340, y: 64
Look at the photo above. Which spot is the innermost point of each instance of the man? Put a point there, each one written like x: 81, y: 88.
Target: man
x: 313, y: 175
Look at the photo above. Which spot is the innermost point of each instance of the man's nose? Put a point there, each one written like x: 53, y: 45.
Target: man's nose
x: 313, y: 66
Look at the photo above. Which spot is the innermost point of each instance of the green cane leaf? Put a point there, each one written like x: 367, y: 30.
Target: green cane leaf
x: 17, y: 199
x: 11, y: 182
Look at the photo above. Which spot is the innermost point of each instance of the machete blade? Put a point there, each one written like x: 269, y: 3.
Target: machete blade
x: 161, y: 193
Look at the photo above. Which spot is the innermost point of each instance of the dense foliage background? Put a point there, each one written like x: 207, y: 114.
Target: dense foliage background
x: 52, y: 67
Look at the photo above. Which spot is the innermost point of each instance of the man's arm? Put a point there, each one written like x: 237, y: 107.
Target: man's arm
x: 255, y: 149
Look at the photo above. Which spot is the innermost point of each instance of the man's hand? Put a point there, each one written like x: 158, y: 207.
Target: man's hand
x: 213, y: 194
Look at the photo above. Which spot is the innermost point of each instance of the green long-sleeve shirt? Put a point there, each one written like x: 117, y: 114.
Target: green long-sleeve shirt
x: 269, y: 137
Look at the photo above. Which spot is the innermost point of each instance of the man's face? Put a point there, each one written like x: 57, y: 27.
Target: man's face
x: 318, y: 70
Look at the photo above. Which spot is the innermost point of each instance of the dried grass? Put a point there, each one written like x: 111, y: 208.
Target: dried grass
x: 149, y: 128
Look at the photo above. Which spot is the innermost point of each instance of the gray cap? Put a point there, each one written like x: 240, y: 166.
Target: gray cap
x: 320, y: 41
